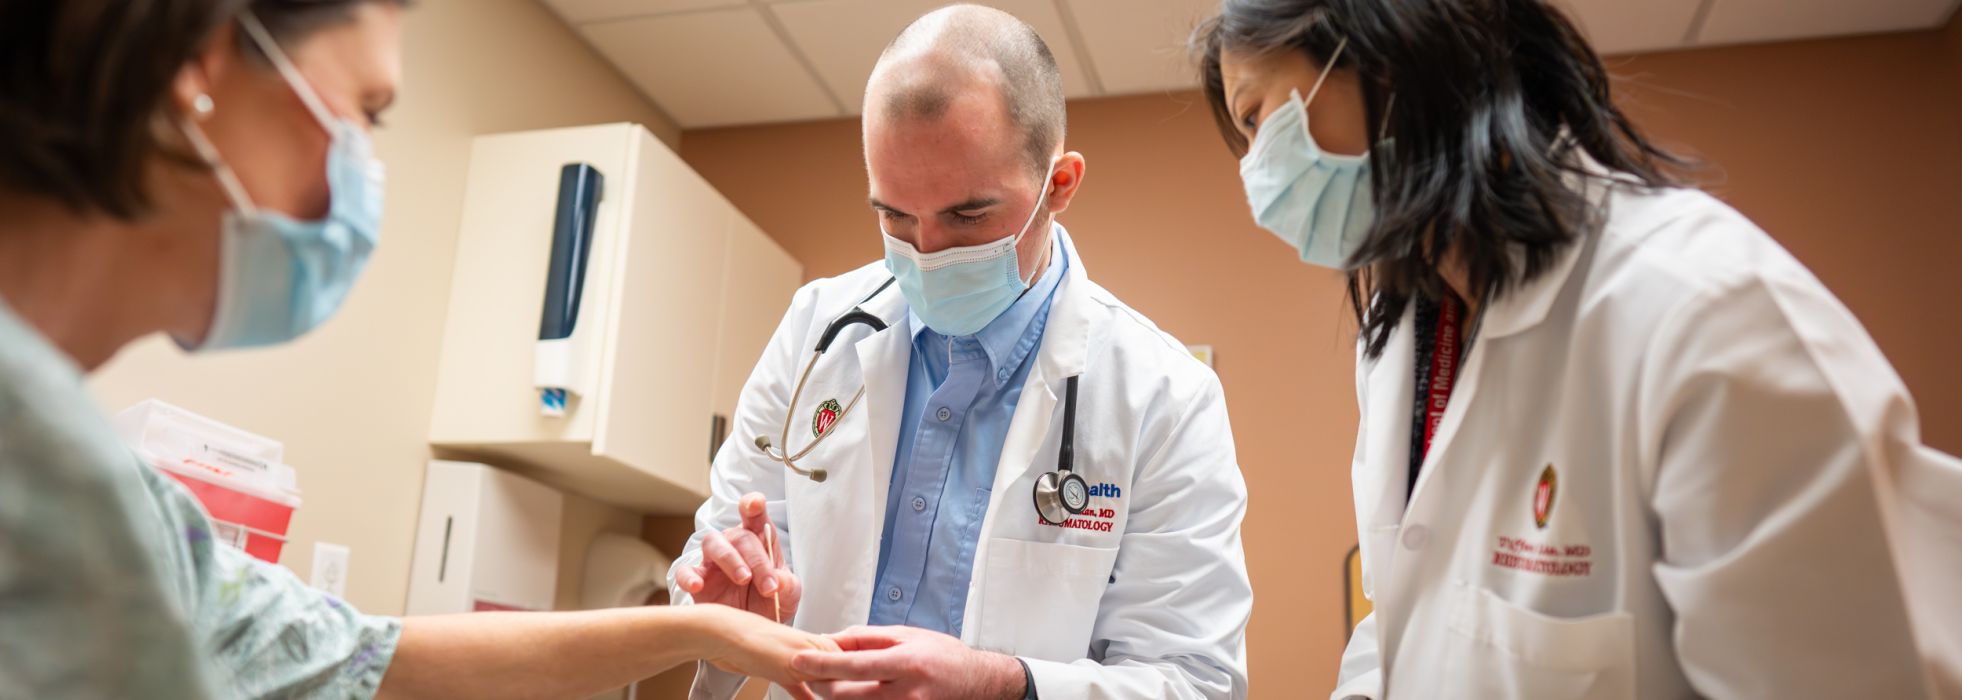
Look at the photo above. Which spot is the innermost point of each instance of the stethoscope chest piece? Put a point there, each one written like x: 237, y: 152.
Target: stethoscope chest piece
x: 1059, y: 495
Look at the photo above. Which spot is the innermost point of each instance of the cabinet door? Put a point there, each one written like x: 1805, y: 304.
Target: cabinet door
x: 758, y: 280
x: 658, y: 371
x: 484, y: 391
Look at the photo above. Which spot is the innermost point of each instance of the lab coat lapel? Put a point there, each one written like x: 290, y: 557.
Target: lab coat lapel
x: 884, y: 360
x: 1383, y: 476
x: 1066, y: 339
x: 1063, y: 354
x: 851, y: 503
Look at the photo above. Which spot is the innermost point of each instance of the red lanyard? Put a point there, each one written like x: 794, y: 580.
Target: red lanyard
x: 1444, y: 369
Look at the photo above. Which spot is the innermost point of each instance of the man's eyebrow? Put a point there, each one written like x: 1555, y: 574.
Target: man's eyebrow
x: 972, y: 204
x: 968, y: 205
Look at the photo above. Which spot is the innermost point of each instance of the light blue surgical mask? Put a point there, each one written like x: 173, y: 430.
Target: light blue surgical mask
x: 1316, y: 201
x: 280, y: 277
x: 958, y: 291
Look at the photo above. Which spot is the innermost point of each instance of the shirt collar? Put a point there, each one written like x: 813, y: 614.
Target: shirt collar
x: 1009, y: 338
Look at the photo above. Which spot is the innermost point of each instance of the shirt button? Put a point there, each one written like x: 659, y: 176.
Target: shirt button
x: 1414, y: 537
x: 892, y: 594
x: 1002, y: 375
x: 943, y: 414
x: 919, y: 504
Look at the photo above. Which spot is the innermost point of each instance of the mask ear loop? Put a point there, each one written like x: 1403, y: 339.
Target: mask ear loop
x: 264, y: 39
x: 1330, y: 68
x: 1049, y: 174
x: 227, y: 180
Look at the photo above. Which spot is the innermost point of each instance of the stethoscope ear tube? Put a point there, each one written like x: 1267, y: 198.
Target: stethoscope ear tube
x: 856, y: 316
x: 1066, y: 455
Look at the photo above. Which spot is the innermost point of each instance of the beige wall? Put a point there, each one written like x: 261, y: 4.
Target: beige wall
x: 1844, y: 150
x: 352, y: 401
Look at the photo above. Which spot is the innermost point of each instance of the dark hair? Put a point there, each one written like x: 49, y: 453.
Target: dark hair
x: 1492, y: 98
x: 85, y: 87
x: 1031, y: 84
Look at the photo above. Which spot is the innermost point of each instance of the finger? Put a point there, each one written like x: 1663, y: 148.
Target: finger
x: 751, y: 549
x: 790, y: 589
x: 845, y: 665
x: 756, y: 513
x: 716, y: 549
x: 798, y: 691
x: 689, y: 578
x: 848, y: 690
x: 866, y: 638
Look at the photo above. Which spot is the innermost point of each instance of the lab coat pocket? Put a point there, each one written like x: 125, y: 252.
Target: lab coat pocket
x: 1504, y: 650
x: 1040, y: 599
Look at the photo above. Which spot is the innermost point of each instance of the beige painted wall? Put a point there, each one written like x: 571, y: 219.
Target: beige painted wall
x: 1844, y: 150
x: 352, y: 401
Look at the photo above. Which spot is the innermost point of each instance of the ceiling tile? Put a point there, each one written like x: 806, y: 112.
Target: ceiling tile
x: 582, y: 11
x: 843, y: 38
x: 1623, y: 27
x: 1739, y: 21
x: 712, y: 68
x: 1140, y: 47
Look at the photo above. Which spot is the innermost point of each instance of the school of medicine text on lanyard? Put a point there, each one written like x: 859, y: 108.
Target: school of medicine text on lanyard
x: 1437, y: 365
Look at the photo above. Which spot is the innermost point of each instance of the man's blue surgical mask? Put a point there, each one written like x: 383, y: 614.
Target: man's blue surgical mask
x: 1316, y: 201
x: 958, y: 291
x: 280, y: 277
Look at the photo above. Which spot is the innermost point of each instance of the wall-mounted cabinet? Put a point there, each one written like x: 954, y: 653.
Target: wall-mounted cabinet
x: 664, y: 297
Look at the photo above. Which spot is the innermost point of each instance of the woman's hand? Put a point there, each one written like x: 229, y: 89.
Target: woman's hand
x: 756, y: 647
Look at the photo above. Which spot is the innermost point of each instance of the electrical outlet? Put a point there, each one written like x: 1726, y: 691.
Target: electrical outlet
x: 330, y: 568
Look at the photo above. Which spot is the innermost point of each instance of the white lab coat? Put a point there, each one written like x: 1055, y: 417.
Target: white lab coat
x: 1155, y: 607
x: 1728, y: 447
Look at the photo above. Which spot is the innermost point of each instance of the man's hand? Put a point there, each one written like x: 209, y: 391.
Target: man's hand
x: 912, y: 663
x: 738, y: 570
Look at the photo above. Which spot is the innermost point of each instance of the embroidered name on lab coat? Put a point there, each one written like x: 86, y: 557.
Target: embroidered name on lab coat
x: 1094, y: 517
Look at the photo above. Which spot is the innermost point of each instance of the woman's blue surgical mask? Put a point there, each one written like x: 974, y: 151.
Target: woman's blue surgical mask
x: 280, y: 277
x: 1316, y: 201
x: 958, y: 291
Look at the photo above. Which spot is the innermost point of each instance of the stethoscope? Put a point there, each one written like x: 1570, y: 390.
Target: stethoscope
x: 1058, y: 494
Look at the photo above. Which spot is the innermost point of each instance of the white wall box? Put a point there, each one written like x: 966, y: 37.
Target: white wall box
x: 487, y: 539
x: 650, y: 346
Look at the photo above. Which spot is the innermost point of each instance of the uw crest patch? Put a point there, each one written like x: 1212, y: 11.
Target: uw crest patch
x: 826, y: 416
x: 1543, y: 494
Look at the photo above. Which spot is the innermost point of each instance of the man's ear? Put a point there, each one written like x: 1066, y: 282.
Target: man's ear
x: 1065, y: 182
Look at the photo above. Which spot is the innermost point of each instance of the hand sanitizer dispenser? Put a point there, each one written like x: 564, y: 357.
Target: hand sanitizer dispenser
x: 558, y: 373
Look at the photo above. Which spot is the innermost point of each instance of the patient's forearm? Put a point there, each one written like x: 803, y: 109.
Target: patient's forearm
x: 534, y: 655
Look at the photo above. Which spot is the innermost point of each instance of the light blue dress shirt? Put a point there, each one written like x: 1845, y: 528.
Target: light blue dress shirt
x: 960, y: 395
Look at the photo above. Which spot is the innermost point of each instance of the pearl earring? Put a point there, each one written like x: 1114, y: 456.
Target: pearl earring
x: 202, y: 105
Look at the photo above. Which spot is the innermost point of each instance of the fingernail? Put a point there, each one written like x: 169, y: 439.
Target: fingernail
x: 768, y: 585
x: 742, y: 575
